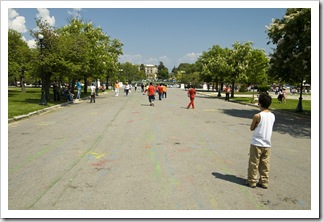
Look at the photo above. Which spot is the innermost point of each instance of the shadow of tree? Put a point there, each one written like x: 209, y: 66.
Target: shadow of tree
x: 230, y: 178
x: 285, y: 123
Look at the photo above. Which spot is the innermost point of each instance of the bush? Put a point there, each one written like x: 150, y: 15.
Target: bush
x: 263, y: 88
x: 243, y: 88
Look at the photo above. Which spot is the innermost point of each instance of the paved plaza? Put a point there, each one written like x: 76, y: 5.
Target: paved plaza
x: 122, y: 154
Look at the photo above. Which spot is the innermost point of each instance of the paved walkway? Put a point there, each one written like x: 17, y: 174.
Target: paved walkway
x: 122, y: 154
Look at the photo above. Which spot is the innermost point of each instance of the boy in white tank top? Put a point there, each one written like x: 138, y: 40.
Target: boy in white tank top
x: 259, y: 159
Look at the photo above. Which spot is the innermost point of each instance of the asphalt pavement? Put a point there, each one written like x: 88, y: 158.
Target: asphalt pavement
x: 122, y: 154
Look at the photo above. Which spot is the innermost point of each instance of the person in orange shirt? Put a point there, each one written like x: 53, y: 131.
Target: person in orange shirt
x: 164, y: 91
x: 160, y: 91
x: 151, y: 94
x: 116, y: 88
x: 191, y: 93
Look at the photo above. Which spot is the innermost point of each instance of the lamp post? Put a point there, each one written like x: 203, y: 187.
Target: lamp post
x: 43, y: 98
x: 299, y: 107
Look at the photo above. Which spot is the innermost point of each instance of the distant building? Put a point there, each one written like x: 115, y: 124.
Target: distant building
x: 150, y: 71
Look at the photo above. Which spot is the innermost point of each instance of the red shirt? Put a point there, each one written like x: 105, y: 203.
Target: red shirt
x: 151, y: 90
x: 191, y: 92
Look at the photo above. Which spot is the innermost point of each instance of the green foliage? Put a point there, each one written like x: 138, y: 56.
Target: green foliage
x: 291, y: 61
x: 162, y: 71
x: 263, y: 88
x: 130, y: 73
x: 19, y: 56
x: 243, y: 88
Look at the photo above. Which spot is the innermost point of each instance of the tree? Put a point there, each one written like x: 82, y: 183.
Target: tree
x: 214, y: 65
x: 131, y: 72
x: 238, y: 61
x: 19, y: 58
x: 257, y: 71
x: 49, y: 56
x: 291, y: 60
x: 162, y: 71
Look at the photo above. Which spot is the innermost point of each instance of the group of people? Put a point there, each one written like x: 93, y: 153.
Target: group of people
x: 260, y: 144
x: 67, y: 92
x: 261, y: 125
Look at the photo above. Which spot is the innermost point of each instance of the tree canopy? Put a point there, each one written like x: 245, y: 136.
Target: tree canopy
x: 291, y: 60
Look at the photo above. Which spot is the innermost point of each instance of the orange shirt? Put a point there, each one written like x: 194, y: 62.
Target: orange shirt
x: 160, y: 89
x: 151, y: 90
x: 191, y: 93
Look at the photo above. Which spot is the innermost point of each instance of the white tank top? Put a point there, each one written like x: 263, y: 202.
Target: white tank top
x: 262, y: 133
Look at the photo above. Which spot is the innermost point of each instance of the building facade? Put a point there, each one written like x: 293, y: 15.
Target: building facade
x: 150, y: 71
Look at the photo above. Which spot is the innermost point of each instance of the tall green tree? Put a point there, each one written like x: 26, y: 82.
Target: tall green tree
x: 19, y: 58
x: 48, y: 59
x: 257, y: 70
x: 162, y: 71
x: 238, y: 61
x: 291, y: 60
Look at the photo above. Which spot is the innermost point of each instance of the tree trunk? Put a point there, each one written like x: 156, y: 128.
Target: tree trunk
x: 72, y: 85
x: 85, y: 85
x: 23, y: 89
x: 107, y: 84
x: 46, y: 85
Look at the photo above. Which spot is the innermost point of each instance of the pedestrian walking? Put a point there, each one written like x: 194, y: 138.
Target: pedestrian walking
x: 79, y: 88
x: 116, y: 88
x: 191, y: 93
x: 164, y: 91
x: 151, y: 94
x: 127, y: 89
x: 160, y: 91
x: 136, y: 87
x: 93, y: 88
x: 142, y: 87
x: 260, y: 145
x: 227, y: 92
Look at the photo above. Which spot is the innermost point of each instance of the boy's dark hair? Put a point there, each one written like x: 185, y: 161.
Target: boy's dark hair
x: 264, y: 100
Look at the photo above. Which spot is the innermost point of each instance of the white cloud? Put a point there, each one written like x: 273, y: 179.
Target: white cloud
x: 75, y: 12
x: 152, y: 61
x: 189, y: 57
x: 12, y: 13
x: 43, y: 14
x: 17, y: 22
x: 31, y: 43
x: 134, y: 59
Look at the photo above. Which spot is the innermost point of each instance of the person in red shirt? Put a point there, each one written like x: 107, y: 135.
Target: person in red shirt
x: 151, y: 94
x: 191, y: 93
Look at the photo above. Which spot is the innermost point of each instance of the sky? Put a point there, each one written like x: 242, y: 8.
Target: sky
x: 153, y: 35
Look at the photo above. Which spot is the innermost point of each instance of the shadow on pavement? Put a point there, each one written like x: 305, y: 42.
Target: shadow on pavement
x: 285, y: 123
x: 230, y: 178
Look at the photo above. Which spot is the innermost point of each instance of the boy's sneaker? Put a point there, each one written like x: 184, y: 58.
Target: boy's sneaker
x: 262, y: 186
x: 250, y: 185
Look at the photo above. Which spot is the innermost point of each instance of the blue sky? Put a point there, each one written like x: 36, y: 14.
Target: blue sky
x: 170, y: 35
